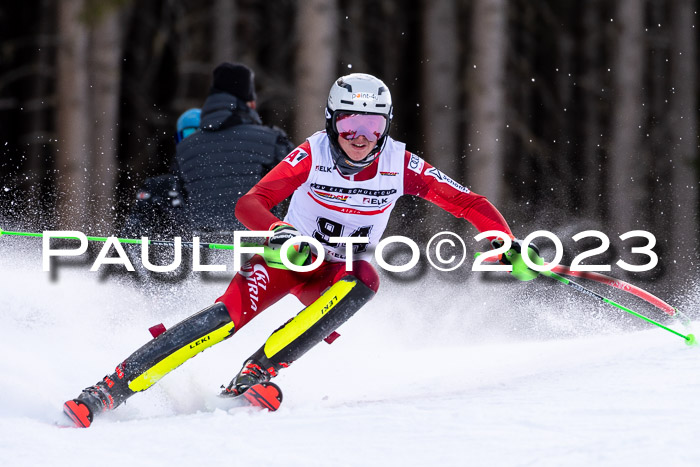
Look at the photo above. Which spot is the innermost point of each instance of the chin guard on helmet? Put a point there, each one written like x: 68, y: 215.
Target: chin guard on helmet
x: 357, y: 93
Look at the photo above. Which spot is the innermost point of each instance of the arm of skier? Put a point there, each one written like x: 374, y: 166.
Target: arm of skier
x: 253, y: 209
x: 424, y: 180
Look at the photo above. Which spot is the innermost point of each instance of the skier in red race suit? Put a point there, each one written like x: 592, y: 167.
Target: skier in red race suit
x: 344, y: 182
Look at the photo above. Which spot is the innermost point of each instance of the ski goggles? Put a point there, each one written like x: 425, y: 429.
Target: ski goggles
x: 353, y: 125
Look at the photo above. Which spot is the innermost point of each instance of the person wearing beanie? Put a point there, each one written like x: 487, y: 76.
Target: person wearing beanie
x: 230, y: 154
x: 235, y: 79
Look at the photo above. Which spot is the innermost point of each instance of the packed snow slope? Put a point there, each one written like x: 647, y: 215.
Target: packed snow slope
x: 435, y: 372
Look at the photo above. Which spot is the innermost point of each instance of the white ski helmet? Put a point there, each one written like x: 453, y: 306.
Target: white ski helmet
x: 357, y: 93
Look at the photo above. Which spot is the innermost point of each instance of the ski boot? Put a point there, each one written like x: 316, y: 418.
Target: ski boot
x: 251, y: 374
x: 103, y: 396
x: 253, y: 385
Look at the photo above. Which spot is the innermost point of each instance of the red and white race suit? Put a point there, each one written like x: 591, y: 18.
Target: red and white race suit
x: 327, y: 204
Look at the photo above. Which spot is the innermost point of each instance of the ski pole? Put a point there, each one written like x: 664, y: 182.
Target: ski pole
x: 620, y: 285
x: 689, y: 339
x: 137, y: 241
x: 271, y: 255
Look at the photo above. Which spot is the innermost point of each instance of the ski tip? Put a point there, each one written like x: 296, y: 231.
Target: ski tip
x: 264, y: 395
x: 65, y: 422
x: 78, y: 412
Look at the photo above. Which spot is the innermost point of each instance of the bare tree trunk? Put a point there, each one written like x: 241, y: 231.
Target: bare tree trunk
x: 39, y: 137
x: 73, y: 123
x: 627, y: 167
x: 105, y: 67
x: 440, y: 86
x: 566, y: 127
x: 684, y: 128
x: 487, y: 99
x: 520, y: 106
x: 316, y: 26
x: 592, y: 84
x: 224, y: 21
x: 353, y: 39
x: 196, y: 55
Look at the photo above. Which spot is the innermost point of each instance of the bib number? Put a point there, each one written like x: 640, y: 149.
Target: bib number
x: 326, y: 228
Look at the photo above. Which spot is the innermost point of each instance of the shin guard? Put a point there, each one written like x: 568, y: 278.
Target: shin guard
x: 313, y: 324
x: 169, y: 350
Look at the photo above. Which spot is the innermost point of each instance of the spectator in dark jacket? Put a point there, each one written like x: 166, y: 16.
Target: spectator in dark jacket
x: 157, y: 210
x: 230, y: 153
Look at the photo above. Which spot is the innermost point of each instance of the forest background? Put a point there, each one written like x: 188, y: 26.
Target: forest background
x: 568, y: 115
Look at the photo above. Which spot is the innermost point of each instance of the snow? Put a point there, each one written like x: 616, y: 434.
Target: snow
x: 473, y: 373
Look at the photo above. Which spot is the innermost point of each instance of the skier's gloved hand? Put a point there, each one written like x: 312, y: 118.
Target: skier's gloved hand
x: 299, y: 254
x: 513, y: 257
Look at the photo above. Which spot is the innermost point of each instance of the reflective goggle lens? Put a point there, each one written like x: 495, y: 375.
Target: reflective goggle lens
x: 350, y: 126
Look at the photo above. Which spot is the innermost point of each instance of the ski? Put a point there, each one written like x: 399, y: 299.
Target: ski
x: 65, y: 424
x: 262, y: 395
